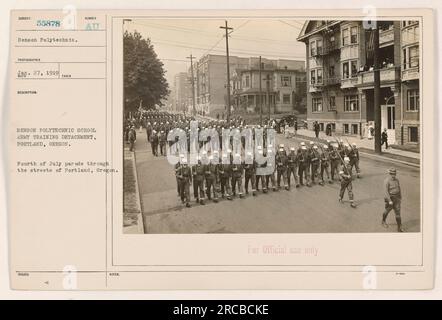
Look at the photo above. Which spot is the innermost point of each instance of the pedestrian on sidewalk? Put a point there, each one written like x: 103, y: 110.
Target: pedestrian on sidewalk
x: 316, y: 129
x: 393, y: 199
x: 384, y: 138
x: 295, y: 125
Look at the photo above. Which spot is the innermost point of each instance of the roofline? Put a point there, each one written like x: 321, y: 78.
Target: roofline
x: 302, y: 35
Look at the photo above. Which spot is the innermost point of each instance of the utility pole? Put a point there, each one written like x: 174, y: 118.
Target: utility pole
x: 228, y: 70
x: 268, y: 92
x: 193, y: 84
x: 260, y: 91
x: 377, y: 91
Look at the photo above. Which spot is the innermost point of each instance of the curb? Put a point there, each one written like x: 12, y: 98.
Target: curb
x: 139, y: 228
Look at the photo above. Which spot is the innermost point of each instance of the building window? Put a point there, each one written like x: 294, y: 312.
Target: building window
x: 346, y: 128
x: 247, y: 81
x: 413, y: 134
x: 345, y: 71
x: 317, y: 105
x: 354, y: 68
x: 313, y: 48
x: 354, y: 35
x: 413, y: 100
x: 351, y: 103
x: 413, y: 56
x: 319, y: 75
x: 321, y: 126
x: 332, y: 104
x: 286, y: 81
x: 286, y: 98
x: 345, y: 37
x: 319, y: 46
x: 331, y: 71
x: 354, y: 129
x: 312, y: 77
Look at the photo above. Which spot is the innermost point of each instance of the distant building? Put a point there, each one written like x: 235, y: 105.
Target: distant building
x: 180, y: 92
x: 340, y: 77
x: 282, y: 83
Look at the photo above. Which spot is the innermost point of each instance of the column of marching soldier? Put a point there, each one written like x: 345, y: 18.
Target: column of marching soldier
x: 308, y: 164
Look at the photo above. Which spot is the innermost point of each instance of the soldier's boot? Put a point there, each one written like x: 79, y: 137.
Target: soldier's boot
x: 264, y: 190
x: 352, y: 204
x: 384, y: 220
x: 399, y: 224
x: 202, y: 201
x: 321, y: 183
x: 187, y: 204
x: 253, y: 192
x: 229, y: 197
x: 241, y: 195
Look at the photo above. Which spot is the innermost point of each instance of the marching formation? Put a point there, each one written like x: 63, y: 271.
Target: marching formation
x: 225, y: 174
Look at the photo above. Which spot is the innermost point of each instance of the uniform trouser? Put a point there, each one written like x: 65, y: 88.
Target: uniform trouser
x: 355, y: 163
x: 334, y: 168
x: 271, y: 178
x: 325, y: 167
x: 163, y: 149
x: 211, y: 188
x: 291, y: 170
x: 303, y: 173
x: 314, y: 170
x: 252, y: 179
x: 198, y: 185
x: 282, y: 173
x: 154, y: 148
x: 185, y: 190
x: 178, y: 186
x: 263, y: 183
x: 237, y: 182
x: 396, y: 206
x: 225, y: 186
x: 346, y: 184
x: 132, y: 144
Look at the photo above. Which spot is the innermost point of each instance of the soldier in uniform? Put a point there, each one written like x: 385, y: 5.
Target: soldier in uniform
x: 132, y: 137
x: 185, y: 179
x: 162, y: 140
x: 271, y: 176
x: 393, y: 199
x: 154, y: 143
x: 177, y: 167
x: 211, y: 174
x: 354, y: 159
x: 260, y: 177
x: 334, y: 161
x: 304, y: 166
x: 314, y: 162
x: 250, y: 173
x: 281, y: 168
x: 237, y: 174
x: 224, y: 172
x: 325, y: 165
x: 292, y: 167
x: 346, y: 182
x: 198, y: 181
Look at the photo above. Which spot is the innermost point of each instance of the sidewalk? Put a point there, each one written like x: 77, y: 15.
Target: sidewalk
x: 132, y: 218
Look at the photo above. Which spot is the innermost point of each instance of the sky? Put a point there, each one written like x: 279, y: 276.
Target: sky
x: 176, y: 39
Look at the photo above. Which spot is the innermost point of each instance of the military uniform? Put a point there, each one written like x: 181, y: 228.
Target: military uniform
x: 303, y: 169
x: 281, y: 169
x: 335, y: 162
x: 162, y: 141
x: 393, y: 197
x: 154, y: 143
x: 185, y: 178
x: 237, y: 174
x: 198, y: 182
x: 325, y: 165
x: 346, y: 183
x: 224, y: 171
x: 314, y: 164
x: 250, y: 176
x: 292, y: 167
x: 211, y: 174
x: 354, y: 160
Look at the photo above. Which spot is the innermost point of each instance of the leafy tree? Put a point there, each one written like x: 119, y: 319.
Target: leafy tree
x: 144, y: 75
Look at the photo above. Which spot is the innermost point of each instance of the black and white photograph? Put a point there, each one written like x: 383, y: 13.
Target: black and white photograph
x: 271, y: 126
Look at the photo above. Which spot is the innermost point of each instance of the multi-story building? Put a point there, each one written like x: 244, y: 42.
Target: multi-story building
x: 280, y: 90
x: 341, y: 77
x: 180, y: 92
x: 210, y: 78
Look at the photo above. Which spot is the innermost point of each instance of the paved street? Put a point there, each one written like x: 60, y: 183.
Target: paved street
x: 303, y: 210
